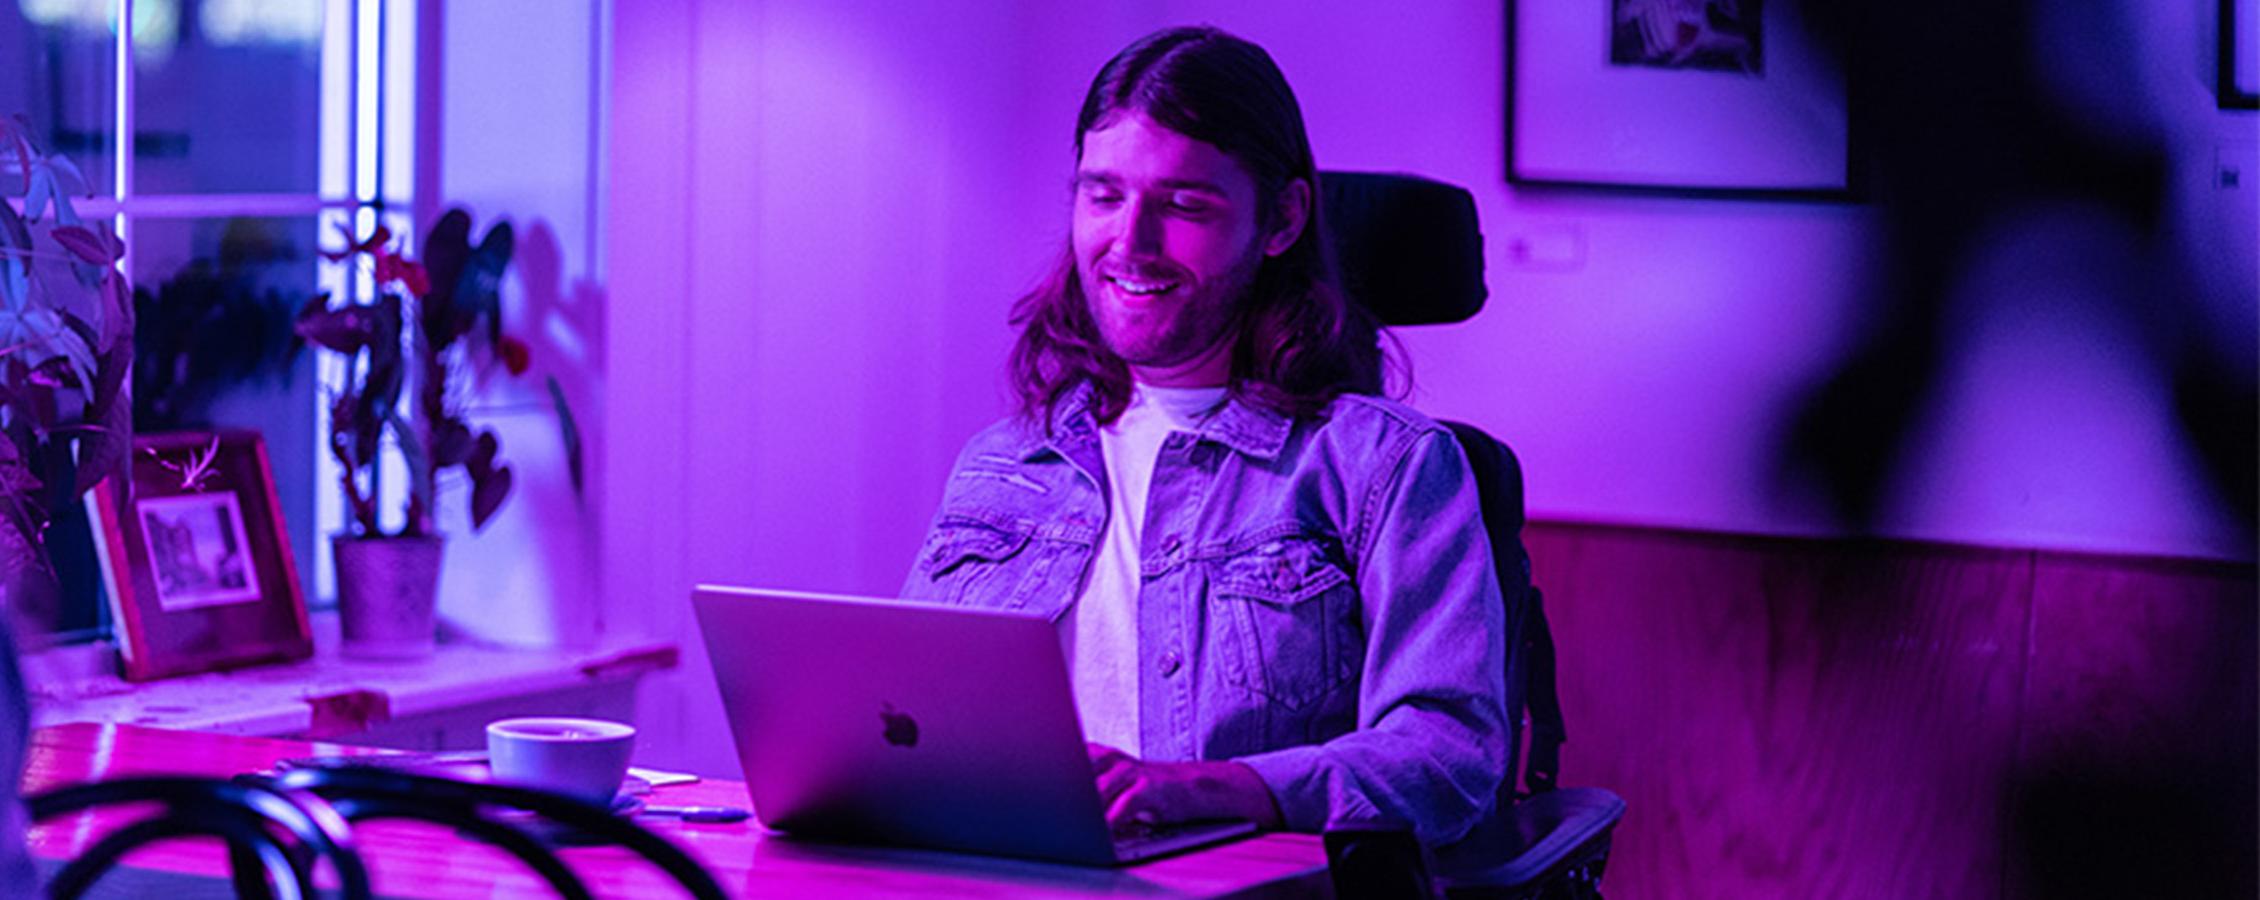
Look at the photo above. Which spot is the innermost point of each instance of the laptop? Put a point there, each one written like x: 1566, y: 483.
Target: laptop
x: 880, y: 721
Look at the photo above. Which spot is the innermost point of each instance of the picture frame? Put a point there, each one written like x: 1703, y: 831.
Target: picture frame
x: 2239, y: 57
x: 1602, y: 97
x: 195, y: 558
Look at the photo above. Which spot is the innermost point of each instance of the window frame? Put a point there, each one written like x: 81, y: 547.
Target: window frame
x: 366, y: 132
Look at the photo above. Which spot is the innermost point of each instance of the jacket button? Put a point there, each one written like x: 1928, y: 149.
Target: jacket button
x: 1170, y: 663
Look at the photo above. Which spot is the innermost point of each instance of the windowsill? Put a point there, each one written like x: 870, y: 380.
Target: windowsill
x: 326, y: 695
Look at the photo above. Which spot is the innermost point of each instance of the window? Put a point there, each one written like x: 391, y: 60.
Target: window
x: 256, y: 130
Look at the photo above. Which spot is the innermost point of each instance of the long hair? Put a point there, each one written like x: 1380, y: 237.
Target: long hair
x: 1299, y: 341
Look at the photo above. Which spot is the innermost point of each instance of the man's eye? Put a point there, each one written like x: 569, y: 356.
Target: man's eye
x: 1104, y: 199
x: 1190, y: 207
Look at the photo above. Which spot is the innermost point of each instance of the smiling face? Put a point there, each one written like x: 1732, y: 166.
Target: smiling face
x: 1167, y: 239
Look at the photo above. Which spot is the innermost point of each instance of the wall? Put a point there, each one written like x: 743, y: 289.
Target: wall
x: 510, y: 109
x: 819, y: 213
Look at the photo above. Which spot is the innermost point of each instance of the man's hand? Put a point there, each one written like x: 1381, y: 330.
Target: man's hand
x: 1139, y: 795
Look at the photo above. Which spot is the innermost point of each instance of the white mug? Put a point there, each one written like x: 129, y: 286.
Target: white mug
x: 581, y: 758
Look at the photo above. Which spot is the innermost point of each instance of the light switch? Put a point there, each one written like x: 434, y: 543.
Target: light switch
x: 1545, y: 247
x: 2233, y: 169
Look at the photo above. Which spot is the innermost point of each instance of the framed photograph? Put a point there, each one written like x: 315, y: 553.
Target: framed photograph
x: 1684, y: 97
x: 2240, y: 54
x: 196, y: 562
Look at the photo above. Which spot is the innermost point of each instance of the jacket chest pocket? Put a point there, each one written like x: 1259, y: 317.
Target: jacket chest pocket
x: 1285, y: 610
x: 976, y: 564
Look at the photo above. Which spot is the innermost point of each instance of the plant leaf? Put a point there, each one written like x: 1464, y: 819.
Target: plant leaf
x: 487, y: 495
x: 328, y: 328
x: 54, y: 373
x: 67, y: 176
x: 42, y: 338
x: 118, y: 315
x: 16, y: 478
x: 446, y: 246
x: 84, y: 244
x: 478, y: 291
x: 483, y: 454
x: 345, y: 329
x: 65, y: 213
x: 106, y: 448
x: 15, y: 284
x: 379, y: 398
x: 55, y: 179
x: 419, y: 465
x: 14, y: 231
x: 345, y: 430
x: 516, y: 356
x: 12, y: 130
x: 376, y: 241
x: 38, y: 192
x: 74, y: 348
x: 114, y: 365
x: 568, y: 432
x: 451, y: 443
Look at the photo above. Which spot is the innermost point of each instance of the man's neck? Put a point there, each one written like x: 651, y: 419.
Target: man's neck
x: 1211, y: 369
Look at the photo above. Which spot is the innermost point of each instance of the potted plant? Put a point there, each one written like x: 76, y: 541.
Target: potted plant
x: 66, y: 343
x: 408, y: 341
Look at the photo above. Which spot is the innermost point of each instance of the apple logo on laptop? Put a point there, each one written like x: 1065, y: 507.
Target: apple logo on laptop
x: 901, y: 730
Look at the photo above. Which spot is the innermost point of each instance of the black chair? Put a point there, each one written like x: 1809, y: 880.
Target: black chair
x: 276, y: 838
x: 523, y: 822
x: 1410, y: 250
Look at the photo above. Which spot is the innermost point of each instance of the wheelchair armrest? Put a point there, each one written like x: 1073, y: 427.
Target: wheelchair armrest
x: 1557, y: 830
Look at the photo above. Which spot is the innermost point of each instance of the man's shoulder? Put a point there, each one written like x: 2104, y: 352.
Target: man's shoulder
x: 1373, y: 435
x: 1370, y: 415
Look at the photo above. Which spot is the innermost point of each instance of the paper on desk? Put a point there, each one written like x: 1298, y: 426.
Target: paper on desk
x: 657, y: 778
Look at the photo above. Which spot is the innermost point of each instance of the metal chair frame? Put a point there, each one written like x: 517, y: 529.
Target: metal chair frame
x: 364, y: 794
x: 276, y: 838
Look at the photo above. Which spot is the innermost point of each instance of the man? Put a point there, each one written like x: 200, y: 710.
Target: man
x: 1273, y: 587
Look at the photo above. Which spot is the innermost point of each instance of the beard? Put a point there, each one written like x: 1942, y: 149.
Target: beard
x: 1173, y: 328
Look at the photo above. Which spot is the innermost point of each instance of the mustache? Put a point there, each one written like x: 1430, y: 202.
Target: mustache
x: 1139, y: 272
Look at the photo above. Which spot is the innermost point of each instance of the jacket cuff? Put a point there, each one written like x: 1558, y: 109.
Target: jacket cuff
x: 1313, y: 795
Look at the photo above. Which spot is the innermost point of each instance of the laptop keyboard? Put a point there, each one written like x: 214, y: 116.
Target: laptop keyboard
x: 1171, y: 838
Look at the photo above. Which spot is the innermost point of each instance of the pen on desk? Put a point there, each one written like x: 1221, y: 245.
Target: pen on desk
x: 700, y: 813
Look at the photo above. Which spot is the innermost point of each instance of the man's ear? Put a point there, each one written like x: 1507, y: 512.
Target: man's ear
x: 1294, y: 213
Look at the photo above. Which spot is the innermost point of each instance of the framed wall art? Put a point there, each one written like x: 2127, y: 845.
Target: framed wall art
x: 196, y: 561
x: 2240, y: 54
x: 1687, y: 97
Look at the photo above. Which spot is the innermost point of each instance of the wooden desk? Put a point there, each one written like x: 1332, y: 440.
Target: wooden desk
x: 416, y: 860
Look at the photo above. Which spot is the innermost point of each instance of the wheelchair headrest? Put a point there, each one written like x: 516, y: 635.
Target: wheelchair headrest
x: 1409, y: 248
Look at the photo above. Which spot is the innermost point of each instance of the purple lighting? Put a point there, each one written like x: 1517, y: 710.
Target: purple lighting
x: 819, y: 214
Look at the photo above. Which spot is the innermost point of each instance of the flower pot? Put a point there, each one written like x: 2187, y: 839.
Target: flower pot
x: 388, y: 595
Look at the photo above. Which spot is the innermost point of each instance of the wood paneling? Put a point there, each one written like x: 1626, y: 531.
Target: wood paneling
x: 2135, y: 772
x: 1811, y: 718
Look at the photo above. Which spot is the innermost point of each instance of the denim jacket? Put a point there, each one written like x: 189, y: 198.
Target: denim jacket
x: 1318, y: 600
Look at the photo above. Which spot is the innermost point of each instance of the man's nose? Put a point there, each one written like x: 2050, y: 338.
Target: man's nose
x: 1143, y: 230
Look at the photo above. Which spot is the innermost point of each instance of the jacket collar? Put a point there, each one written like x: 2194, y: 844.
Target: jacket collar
x: 1245, y: 427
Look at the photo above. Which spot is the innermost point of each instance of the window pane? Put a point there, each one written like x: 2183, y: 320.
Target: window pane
x: 57, y: 72
x: 229, y: 101
x: 215, y: 299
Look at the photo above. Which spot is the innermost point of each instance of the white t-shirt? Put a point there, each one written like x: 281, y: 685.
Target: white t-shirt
x: 1100, y: 632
